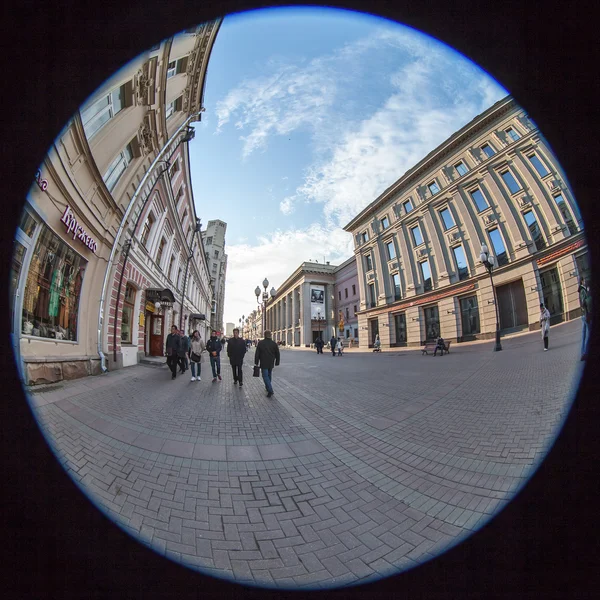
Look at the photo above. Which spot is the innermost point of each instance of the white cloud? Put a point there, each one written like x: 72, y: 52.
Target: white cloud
x: 286, y: 206
x: 276, y: 257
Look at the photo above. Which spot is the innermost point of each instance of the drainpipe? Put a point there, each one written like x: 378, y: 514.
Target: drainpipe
x: 124, y: 221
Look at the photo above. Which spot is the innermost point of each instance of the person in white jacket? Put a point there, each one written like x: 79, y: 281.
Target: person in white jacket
x: 339, y: 346
x: 545, y: 324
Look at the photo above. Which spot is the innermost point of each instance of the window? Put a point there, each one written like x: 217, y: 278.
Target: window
x: 52, y: 289
x: 461, y: 262
x: 216, y: 254
x: 339, y: 295
x: 161, y: 248
x: 566, y: 214
x: 353, y: 290
x: 512, y: 134
x: 176, y: 67
x: 469, y: 313
x: 510, y: 181
x: 369, y: 262
x: 173, y: 106
x: 171, y: 263
x: 179, y: 278
x: 479, y: 199
x: 355, y: 333
x: 355, y: 311
x: 534, y: 230
x: 371, y: 298
x: 447, y: 218
x: 432, y: 323
x: 117, y: 167
x: 488, y: 150
x: 95, y: 116
x: 147, y: 229
x: 385, y: 222
x: 538, y: 165
x: 408, y: 206
x: 391, y: 251
x: 345, y: 292
x: 172, y: 69
x: 498, y: 246
x: 209, y: 241
x: 364, y: 236
x: 461, y: 168
x: 396, y: 285
x: 433, y: 188
x: 426, y: 275
x: 416, y: 235
x: 128, y: 313
x: 347, y: 313
x: 400, y: 326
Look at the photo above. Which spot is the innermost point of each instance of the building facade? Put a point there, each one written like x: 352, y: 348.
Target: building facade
x: 84, y: 234
x: 214, y: 248
x: 417, y: 246
x: 347, y: 299
x: 304, y: 307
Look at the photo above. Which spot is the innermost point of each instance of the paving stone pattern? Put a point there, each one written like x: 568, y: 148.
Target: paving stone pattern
x: 359, y: 466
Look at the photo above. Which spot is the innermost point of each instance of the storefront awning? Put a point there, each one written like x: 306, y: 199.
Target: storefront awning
x: 158, y: 295
x: 198, y: 316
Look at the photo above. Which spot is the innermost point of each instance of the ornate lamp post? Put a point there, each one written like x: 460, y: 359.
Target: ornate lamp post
x: 265, y: 300
x: 489, y: 262
x: 319, y: 319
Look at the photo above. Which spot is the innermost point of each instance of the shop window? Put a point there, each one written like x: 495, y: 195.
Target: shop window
x: 128, y: 315
x: 400, y: 327
x: 27, y: 224
x: 53, y: 288
x: 469, y: 312
x: 432, y: 323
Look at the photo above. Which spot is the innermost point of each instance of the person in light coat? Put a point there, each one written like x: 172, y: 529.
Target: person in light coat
x: 197, y: 347
x: 545, y: 324
x: 339, y: 347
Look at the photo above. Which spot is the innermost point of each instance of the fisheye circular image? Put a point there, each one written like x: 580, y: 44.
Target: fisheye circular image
x: 300, y: 298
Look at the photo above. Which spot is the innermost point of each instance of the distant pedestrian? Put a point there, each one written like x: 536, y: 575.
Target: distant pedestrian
x: 441, y: 346
x: 214, y: 347
x: 172, y: 348
x: 339, y: 347
x: 267, y: 356
x: 332, y: 343
x: 319, y: 345
x: 585, y: 301
x: 197, y: 347
x: 183, y: 352
x: 545, y: 324
x: 236, y: 348
x: 377, y: 344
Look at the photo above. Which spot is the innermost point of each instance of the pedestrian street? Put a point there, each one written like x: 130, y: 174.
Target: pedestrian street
x: 357, y: 467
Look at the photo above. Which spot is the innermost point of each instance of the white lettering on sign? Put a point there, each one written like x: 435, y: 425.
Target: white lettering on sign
x: 77, y: 230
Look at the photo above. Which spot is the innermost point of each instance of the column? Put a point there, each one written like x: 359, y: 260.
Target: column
x: 406, y: 261
x: 441, y: 266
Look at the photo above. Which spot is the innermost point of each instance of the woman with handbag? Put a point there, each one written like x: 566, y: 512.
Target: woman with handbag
x: 197, y: 347
x: 545, y: 324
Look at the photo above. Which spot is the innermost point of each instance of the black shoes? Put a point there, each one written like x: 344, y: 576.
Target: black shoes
x: 241, y: 384
x: 172, y: 376
x: 269, y: 394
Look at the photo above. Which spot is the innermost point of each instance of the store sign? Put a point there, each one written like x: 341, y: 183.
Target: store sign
x: 150, y: 307
x: 77, y: 230
x: 42, y: 183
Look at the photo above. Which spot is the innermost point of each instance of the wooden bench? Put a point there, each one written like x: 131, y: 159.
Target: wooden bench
x: 431, y: 346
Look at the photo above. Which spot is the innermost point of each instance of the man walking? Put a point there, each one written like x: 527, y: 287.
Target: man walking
x: 183, y: 352
x: 214, y: 347
x: 267, y: 355
x: 236, y: 348
x: 332, y: 343
x: 172, y: 349
x: 585, y: 301
x: 319, y: 345
x: 545, y: 324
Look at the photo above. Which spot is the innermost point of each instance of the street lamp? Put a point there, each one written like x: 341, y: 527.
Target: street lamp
x: 265, y: 300
x: 489, y: 262
x: 319, y: 318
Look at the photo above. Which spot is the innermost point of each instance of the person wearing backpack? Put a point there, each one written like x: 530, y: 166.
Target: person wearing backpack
x: 585, y: 301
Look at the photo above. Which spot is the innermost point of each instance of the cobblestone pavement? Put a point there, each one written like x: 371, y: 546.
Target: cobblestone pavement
x: 358, y: 465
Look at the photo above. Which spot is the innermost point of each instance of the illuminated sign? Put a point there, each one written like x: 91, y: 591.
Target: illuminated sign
x: 78, y: 231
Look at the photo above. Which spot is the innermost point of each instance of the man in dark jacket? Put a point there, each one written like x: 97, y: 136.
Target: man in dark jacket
x: 214, y: 347
x: 267, y: 354
x: 236, y: 348
x: 319, y: 345
x: 172, y: 349
x: 332, y: 343
x: 183, y: 352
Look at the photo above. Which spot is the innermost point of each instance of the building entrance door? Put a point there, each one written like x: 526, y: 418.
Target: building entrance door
x: 156, y: 336
x: 512, y: 306
x: 552, y: 294
x: 373, y: 331
x: 432, y: 323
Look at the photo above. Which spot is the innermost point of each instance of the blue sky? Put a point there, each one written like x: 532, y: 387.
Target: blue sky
x: 311, y: 113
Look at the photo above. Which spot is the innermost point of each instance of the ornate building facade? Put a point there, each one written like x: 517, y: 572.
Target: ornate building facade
x: 214, y: 247
x: 110, y: 223
x: 417, y: 246
x: 347, y: 299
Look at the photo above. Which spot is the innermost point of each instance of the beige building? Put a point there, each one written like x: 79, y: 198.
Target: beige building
x: 214, y: 248
x: 417, y: 246
x: 114, y: 190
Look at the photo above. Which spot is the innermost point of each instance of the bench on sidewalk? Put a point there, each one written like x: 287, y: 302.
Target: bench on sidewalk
x: 431, y: 346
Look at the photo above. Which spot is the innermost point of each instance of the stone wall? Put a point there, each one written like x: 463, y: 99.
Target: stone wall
x: 51, y: 370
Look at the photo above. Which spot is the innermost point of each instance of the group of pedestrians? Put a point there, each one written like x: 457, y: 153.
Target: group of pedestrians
x: 335, y: 345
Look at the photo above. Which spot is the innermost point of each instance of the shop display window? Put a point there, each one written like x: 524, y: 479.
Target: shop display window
x: 53, y: 288
x: 128, y: 312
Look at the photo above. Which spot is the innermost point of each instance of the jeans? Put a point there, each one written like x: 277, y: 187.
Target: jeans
x: 237, y: 373
x: 267, y: 375
x: 585, y: 337
x: 195, y: 367
x: 215, y: 365
x: 546, y: 342
x: 172, y: 363
x: 182, y: 361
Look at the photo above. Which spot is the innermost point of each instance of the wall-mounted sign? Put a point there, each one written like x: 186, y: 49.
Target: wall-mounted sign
x: 42, y: 183
x: 317, y: 301
x: 150, y: 307
x: 142, y: 319
x: 78, y: 231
